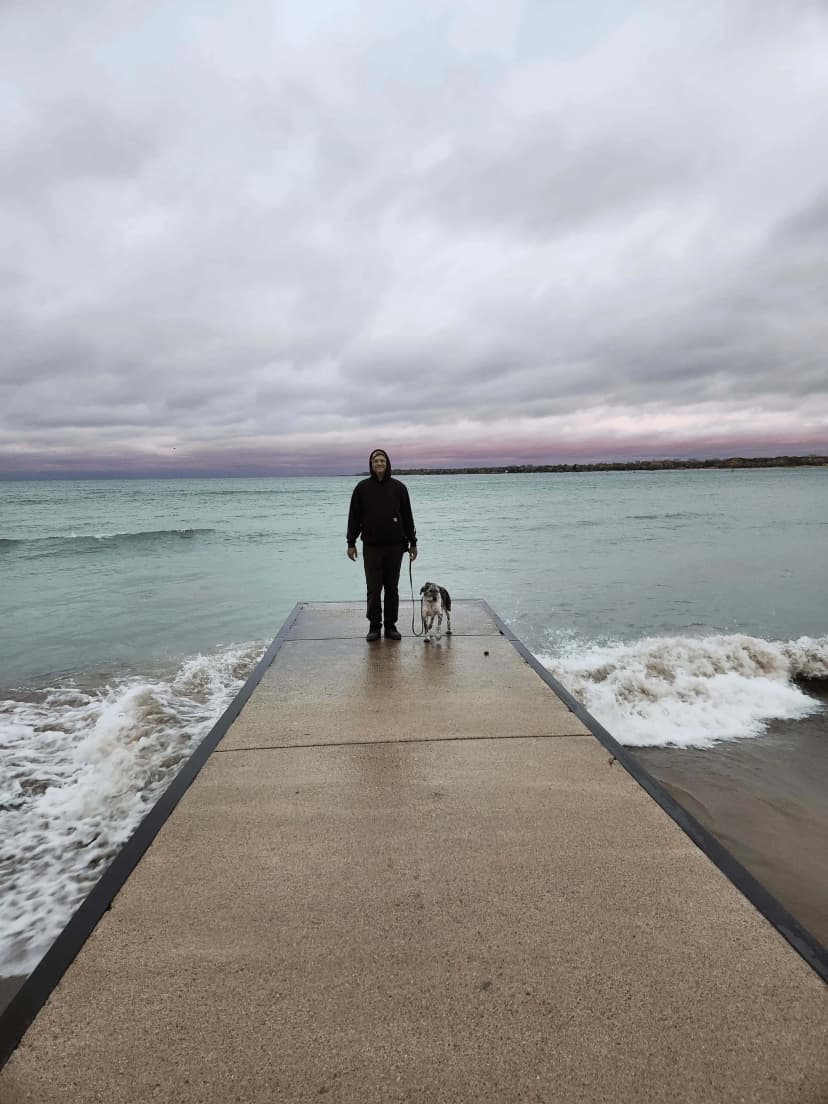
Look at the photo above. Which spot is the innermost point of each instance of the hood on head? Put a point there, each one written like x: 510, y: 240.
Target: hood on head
x: 387, y: 461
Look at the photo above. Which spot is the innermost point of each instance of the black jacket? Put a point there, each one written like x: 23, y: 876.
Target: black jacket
x: 381, y: 511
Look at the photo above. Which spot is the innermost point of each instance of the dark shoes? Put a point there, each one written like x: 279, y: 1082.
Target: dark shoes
x: 390, y: 633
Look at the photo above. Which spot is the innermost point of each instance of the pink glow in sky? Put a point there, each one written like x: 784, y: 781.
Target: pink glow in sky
x: 263, y: 240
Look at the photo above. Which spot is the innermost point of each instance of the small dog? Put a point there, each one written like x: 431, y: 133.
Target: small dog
x: 436, y: 601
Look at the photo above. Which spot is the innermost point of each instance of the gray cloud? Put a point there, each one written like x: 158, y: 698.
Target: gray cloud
x: 292, y: 228
x: 543, y: 183
x: 74, y: 142
x: 806, y: 227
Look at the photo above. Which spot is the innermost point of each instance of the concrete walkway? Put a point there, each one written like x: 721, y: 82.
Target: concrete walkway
x: 409, y: 872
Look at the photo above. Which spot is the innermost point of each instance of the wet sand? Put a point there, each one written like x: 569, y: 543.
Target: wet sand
x: 766, y: 800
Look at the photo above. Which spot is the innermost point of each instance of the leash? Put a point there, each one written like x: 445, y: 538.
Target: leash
x: 422, y: 621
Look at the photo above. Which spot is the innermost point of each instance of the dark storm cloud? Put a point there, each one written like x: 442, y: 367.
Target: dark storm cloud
x: 290, y: 228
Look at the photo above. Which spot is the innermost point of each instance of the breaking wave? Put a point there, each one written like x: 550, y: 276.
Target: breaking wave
x: 685, y: 692
x: 79, y: 769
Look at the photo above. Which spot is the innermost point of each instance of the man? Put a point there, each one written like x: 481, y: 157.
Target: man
x: 381, y: 512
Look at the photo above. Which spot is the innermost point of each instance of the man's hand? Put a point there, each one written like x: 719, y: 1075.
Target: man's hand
x: 413, y: 552
x: 352, y: 552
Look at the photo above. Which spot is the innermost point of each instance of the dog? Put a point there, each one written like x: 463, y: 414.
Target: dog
x: 435, y: 602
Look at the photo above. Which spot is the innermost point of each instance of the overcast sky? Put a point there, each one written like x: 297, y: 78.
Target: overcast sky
x: 269, y: 236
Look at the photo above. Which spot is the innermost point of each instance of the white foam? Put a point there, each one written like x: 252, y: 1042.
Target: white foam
x: 684, y: 692
x: 79, y: 770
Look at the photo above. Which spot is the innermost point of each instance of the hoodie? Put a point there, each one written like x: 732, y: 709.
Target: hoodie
x: 381, y: 510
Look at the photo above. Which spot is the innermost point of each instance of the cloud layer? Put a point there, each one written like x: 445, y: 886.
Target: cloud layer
x: 265, y: 238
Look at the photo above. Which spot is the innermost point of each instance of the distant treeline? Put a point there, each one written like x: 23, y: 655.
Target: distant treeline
x: 631, y: 465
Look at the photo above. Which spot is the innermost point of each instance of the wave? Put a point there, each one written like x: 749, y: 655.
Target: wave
x: 97, y: 542
x: 234, y: 492
x: 685, y: 692
x: 79, y: 769
x: 681, y: 515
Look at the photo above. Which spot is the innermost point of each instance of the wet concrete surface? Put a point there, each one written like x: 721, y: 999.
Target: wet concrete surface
x: 479, y: 913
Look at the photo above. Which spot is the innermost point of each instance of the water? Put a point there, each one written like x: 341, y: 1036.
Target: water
x: 681, y: 607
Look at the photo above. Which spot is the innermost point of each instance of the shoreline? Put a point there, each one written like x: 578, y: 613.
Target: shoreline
x: 688, y: 464
x: 732, y: 463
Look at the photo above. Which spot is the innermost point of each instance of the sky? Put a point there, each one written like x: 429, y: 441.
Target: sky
x: 264, y: 238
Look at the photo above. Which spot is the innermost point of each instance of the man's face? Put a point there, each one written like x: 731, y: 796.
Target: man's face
x: 379, y: 466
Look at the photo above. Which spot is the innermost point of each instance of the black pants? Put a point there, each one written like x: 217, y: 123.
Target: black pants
x: 382, y: 569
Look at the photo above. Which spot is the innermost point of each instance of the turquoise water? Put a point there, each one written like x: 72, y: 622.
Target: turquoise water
x: 106, y: 576
x: 683, y: 609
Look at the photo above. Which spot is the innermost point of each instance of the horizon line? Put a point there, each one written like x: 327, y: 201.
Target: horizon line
x: 522, y: 467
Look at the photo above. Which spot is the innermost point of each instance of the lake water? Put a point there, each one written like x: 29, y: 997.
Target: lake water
x: 684, y: 608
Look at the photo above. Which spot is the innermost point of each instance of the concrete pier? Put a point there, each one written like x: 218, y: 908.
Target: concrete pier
x: 410, y: 872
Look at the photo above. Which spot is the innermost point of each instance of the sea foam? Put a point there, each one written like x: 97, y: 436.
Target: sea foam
x: 81, y: 768
x: 686, y: 692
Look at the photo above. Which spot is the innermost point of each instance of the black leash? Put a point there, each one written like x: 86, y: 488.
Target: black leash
x: 422, y: 620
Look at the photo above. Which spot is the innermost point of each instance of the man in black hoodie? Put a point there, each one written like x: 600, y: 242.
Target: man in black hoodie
x: 381, y: 512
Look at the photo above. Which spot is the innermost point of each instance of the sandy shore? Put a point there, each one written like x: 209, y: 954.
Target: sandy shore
x: 766, y: 800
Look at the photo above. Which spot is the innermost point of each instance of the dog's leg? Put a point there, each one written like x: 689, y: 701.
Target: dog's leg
x: 448, y: 622
x: 439, y: 623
